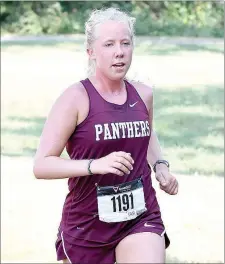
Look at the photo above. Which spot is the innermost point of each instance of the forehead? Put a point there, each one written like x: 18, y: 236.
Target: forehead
x: 112, y: 30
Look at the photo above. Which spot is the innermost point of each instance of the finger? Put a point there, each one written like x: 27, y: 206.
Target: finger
x: 171, y: 189
x: 161, y: 179
x: 116, y: 171
x: 125, y: 155
x: 166, y: 184
x: 125, y: 162
x: 161, y: 187
x: 120, y: 166
x: 165, y: 189
x: 176, y: 190
x: 128, y: 157
x: 172, y: 186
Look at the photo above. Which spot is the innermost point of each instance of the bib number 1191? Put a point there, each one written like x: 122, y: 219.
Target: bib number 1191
x: 123, y: 202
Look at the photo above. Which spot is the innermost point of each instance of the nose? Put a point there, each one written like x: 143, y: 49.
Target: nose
x: 119, y: 52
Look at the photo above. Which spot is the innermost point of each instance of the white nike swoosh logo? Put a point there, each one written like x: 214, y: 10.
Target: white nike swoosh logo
x: 132, y: 105
x: 147, y: 225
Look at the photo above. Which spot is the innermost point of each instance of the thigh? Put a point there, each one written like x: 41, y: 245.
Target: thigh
x: 65, y: 261
x: 143, y: 247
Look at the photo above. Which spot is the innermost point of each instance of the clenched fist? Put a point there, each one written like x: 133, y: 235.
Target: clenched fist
x: 118, y: 163
x: 167, y: 181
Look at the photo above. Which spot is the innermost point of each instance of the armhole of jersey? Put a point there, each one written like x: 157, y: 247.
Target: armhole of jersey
x: 90, y: 105
x: 139, y: 96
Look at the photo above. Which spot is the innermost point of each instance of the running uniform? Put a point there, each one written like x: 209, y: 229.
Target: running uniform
x: 100, y: 210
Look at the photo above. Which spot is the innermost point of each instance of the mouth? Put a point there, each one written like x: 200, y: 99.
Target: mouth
x: 119, y: 65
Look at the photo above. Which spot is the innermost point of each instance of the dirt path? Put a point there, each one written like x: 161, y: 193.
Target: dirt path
x: 31, y: 212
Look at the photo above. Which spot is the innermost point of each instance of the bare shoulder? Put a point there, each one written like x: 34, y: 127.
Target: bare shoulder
x: 145, y: 91
x: 143, y: 88
x: 70, y: 105
x: 76, y: 98
x: 74, y: 93
x: 73, y: 98
x: 62, y: 120
x: 67, y: 103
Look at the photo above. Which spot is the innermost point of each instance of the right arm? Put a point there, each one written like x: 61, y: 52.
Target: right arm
x: 58, y: 128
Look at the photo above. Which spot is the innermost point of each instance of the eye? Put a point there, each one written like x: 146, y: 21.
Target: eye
x: 126, y: 43
x: 108, y: 44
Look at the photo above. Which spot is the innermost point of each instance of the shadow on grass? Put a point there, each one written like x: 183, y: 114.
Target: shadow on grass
x: 33, y: 44
x: 143, y: 47
x: 44, y: 42
x: 173, y: 49
x: 25, y: 152
x: 184, y: 128
x: 75, y: 46
x: 190, y: 125
x: 34, y: 126
x: 190, y: 119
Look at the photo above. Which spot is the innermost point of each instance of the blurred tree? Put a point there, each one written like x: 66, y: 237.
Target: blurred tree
x: 183, y: 18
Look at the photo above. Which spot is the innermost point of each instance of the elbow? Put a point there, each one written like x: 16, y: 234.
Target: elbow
x: 37, y: 170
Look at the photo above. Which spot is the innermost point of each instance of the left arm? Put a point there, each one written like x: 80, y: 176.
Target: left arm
x: 167, y: 181
x: 154, y: 149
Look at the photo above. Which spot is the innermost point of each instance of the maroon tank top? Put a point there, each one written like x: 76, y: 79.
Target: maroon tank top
x: 108, y: 127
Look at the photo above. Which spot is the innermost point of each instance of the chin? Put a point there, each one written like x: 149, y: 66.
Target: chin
x: 116, y: 76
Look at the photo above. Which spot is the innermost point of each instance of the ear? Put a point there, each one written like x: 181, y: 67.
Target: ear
x: 91, y: 53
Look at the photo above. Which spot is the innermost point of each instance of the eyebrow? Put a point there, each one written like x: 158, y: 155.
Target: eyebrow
x: 112, y: 40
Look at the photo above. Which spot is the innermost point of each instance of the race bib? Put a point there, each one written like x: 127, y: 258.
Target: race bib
x: 121, y: 202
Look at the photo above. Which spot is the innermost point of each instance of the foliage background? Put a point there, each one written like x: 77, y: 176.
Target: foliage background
x: 155, y: 18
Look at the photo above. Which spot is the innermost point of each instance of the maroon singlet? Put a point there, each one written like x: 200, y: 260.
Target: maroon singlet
x: 108, y: 127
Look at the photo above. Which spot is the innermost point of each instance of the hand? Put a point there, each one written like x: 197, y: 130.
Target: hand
x: 117, y: 163
x: 167, y: 181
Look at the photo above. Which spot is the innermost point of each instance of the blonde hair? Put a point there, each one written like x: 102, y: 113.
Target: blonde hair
x: 100, y: 16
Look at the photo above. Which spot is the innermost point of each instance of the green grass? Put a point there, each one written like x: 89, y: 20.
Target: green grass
x: 188, y: 98
x: 191, y: 128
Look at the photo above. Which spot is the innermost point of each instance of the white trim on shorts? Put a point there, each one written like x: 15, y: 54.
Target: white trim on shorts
x: 163, y: 233
x: 64, y: 249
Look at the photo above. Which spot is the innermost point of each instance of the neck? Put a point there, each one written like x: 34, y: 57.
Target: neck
x: 109, y: 86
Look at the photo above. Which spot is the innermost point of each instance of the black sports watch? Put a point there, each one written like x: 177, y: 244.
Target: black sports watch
x: 160, y: 161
